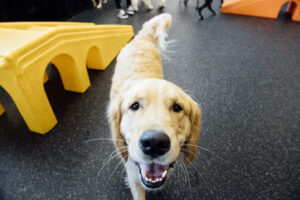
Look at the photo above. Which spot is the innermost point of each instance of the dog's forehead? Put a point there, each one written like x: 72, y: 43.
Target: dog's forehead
x: 155, y: 88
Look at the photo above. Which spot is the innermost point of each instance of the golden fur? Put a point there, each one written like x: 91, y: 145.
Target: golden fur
x: 138, y: 78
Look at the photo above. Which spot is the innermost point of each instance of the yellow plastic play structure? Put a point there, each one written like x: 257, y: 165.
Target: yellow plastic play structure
x: 261, y: 8
x: 2, y: 109
x: 27, y: 48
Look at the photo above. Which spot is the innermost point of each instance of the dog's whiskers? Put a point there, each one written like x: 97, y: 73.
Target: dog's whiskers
x: 179, y: 169
x: 110, y: 157
x: 120, y: 162
x: 186, y: 151
x: 122, y: 173
x: 202, y: 176
x: 181, y: 162
x: 103, y: 139
x: 108, y: 160
x: 181, y: 165
x: 213, y: 153
x: 185, y: 172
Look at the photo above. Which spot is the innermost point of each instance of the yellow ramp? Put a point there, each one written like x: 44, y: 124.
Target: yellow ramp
x: 27, y: 48
x: 2, y: 109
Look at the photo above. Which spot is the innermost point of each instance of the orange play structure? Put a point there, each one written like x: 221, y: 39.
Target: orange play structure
x: 27, y: 48
x: 261, y: 8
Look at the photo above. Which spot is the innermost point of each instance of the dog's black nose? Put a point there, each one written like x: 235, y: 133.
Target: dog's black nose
x: 154, y: 143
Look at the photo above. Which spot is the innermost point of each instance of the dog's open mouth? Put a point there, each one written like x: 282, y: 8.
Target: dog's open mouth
x: 153, y: 175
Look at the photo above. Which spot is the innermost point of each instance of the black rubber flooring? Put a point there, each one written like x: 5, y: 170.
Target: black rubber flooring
x: 243, y: 71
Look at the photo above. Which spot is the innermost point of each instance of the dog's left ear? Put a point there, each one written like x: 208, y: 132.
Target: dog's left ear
x: 114, y: 113
x: 191, y: 142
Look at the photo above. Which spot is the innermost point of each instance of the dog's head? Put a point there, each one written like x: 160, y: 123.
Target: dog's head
x: 154, y: 123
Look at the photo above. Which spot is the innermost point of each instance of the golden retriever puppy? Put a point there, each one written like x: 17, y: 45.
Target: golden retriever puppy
x: 154, y: 123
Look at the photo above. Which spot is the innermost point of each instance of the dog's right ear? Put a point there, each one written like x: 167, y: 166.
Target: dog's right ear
x: 191, y: 142
x: 114, y: 113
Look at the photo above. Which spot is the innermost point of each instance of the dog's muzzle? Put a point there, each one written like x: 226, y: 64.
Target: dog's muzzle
x: 154, y: 143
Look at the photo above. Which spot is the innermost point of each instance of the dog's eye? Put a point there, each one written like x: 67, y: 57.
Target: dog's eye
x: 176, y: 107
x: 135, y: 106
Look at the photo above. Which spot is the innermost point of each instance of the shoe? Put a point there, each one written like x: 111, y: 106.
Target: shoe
x: 130, y: 11
x: 122, y: 14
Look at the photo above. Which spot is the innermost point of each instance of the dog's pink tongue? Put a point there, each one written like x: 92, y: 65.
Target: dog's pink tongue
x: 154, y: 170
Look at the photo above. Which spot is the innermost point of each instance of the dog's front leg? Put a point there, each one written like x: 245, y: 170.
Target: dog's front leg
x: 137, y: 191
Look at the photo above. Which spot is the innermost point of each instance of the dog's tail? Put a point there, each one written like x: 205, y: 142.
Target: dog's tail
x: 156, y: 29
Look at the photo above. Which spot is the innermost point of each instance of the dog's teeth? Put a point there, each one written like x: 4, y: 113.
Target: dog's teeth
x: 153, y: 180
x: 143, y: 173
x: 164, y: 173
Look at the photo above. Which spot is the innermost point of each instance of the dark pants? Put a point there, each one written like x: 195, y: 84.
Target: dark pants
x: 208, y: 5
x: 118, y: 3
